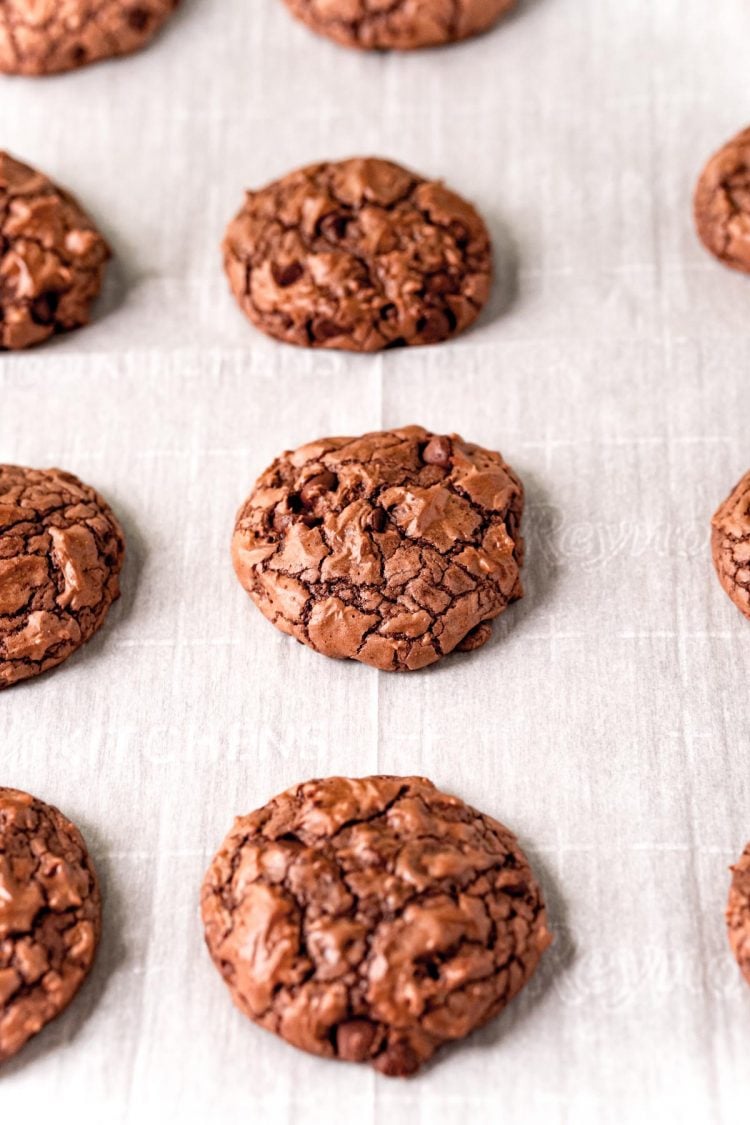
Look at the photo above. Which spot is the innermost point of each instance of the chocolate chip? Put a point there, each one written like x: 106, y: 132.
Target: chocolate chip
x: 333, y: 227
x: 139, y: 18
x: 326, y: 329
x: 354, y: 1040
x: 316, y: 486
x: 476, y: 637
x: 438, y: 451
x: 284, y: 276
x: 398, y: 1061
x: 433, y: 327
x: 43, y: 309
x: 378, y: 519
x: 441, y: 283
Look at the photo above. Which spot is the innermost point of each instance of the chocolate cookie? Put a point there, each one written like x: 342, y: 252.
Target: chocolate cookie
x: 61, y: 550
x: 52, y: 257
x: 50, y: 916
x: 399, y: 24
x: 394, y: 548
x: 360, y: 255
x: 49, y: 36
x: 722, y: 203
x: 738, y: 913
x: 730, y: 545
x: 372, y: 920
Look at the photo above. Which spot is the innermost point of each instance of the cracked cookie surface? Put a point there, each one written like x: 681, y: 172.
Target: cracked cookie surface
x: 50, y: 916
x: 52, y: 258
x: 358, y: 255
x: 394, y: 548
x: 730, y: 545
x: 61, y: 551
x: 738, y: 913
x: 372, y: 920
x: 722, y: 203
x: 39, y: 37
x: 401, y: 25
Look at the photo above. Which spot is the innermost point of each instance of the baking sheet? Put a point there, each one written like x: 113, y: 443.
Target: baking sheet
x: 608, y: 721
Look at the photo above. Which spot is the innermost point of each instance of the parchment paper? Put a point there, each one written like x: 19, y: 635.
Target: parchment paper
x: 607, y: 723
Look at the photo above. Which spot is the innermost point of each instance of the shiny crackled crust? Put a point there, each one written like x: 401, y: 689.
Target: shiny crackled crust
x: 359, y: 255
x: 401, y: 25
x: 372, y: 920
x: 50, y: 916
x: 730, y: 545
x: 52, y: 258
x: 393, y: 549
x: 61, y: 551
x: 722, y: 203
x: 738, y: 913
x: 40, y: 37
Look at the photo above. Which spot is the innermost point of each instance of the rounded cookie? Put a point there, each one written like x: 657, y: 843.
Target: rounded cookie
x: 722, y: 203
x: 39, y: 37
x: 394, y: 548
x: 52, y: 258
x: 738, y: 913
x: 730, y: 544
x: 359, y: 255
x: 50, y: 916
x: 61, y: 551
x: 372, y: 920
x: 401, y: 25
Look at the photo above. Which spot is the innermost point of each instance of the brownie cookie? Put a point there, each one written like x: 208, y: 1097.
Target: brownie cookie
x: 49, y: 36
x: 52, y: 258
x: 372, y: 920
x: 50, y: 916
x: 722, y: 203
x: 359, y: 255
x: 730, y: 545
x: 61, y: 550
x: 394, y: 548
x: 738, y: 913
x: 400, y: 25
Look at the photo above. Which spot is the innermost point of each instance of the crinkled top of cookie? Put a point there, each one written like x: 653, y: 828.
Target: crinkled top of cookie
x: 722, y: 203
x: 51, y: 257
x: 49, y: 916
x: 61, y: 551
x: 48, y: 36
x: 372, y: 919
x: 731, y: 544
x: 360, y: 255
x: 738, y: 912
x: 393, y: 548
x: 399, y: 24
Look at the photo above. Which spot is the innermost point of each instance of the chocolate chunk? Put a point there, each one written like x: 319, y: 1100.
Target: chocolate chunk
x: 438, y: 452
x: 316, y: 487
x: 368, y: 919
x: 50, y: 916
x: 476, y: 638
x: 61, y: 551
x: 722, y: 203
x: 738, y: 913
x: 359, y: 255
x: 52, y: 258
x: 355, y: 1040
x: 730, y: 544
x: 53, y: 36
x: 401, y: 25
x: 415, y: 547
